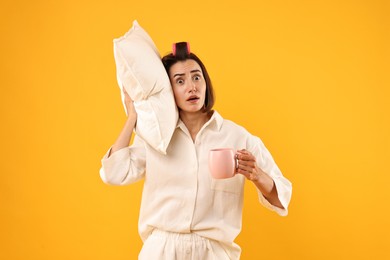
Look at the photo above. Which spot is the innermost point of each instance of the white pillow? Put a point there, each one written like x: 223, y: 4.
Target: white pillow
x: 141, y: 72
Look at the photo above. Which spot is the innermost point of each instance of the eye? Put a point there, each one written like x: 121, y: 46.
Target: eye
x: 180, y: 81
x: 197, y: 77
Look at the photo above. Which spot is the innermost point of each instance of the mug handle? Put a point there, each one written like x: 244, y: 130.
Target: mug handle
x: 236, y: 161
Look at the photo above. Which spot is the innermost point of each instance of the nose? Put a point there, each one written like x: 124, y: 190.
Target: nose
x: 193, y: 87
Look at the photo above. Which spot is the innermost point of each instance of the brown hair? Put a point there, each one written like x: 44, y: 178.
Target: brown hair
x: 182, y: 53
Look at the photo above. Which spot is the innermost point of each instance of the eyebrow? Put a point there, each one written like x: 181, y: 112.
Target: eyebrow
x: 182, y: 74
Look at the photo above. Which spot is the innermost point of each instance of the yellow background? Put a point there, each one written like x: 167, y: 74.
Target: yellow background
x: 311, y: 78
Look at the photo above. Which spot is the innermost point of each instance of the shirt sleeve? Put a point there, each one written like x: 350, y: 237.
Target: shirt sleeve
x: 266, y: 163
x: 124, y: 166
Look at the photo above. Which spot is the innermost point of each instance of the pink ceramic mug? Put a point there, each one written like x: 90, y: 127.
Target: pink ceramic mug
x: 222, y: 163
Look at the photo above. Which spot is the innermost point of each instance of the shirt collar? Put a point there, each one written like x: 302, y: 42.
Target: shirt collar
x: 215, y: 121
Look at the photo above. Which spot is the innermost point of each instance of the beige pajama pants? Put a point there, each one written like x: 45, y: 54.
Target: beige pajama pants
x: 162, y: 245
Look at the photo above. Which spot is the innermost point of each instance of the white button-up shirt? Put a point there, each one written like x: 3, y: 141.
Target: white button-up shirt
x: 179, y: 194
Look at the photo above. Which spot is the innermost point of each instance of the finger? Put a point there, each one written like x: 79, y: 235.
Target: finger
x: 246, y: 157
x: 245, y: 168
x: 247, y: 163
x: 244, y: 152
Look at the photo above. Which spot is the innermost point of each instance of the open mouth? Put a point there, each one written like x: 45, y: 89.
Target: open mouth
x: 193, y: 98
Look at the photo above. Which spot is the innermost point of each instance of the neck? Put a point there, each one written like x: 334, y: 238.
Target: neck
x: 194, y: 121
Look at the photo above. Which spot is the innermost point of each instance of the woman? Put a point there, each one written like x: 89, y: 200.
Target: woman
x: 185, y: 213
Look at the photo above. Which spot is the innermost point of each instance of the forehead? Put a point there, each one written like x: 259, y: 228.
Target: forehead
x: 184, y: 67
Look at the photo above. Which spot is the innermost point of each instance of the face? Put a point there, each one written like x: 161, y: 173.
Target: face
x: 189, y: 85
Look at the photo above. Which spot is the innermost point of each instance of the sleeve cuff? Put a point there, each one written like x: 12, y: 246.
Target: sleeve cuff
x: 284, y: 195
x: 114, y: 162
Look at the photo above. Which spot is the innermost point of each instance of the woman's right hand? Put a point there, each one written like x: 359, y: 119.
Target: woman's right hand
x: 129, y: 103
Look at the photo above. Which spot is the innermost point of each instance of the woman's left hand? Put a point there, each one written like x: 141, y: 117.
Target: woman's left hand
x: 247, y: 165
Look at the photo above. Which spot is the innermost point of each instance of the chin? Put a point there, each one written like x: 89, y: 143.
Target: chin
x: 192, y: 110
